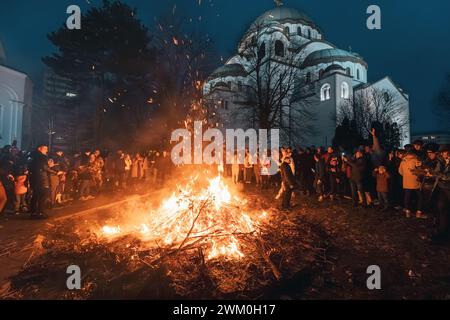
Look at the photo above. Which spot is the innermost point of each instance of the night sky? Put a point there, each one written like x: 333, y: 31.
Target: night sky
x: 413, y: 47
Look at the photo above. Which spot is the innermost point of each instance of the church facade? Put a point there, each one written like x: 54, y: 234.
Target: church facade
x: 16, y: 91
x: 325, y: 78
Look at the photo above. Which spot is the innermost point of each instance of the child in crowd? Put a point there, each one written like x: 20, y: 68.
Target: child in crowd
x: 382, y: 177
x: 20, y: 190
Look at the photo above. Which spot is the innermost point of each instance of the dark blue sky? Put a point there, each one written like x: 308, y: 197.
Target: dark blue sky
x: 413, y: 47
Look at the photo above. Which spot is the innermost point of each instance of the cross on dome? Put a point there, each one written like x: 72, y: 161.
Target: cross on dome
x: 278, y: 3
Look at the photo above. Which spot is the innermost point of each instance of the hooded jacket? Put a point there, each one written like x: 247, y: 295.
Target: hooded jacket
x: 39, y: 171
x: 359, y: 168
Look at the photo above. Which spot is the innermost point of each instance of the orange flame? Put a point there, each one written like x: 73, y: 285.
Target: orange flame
x: 211, y: 215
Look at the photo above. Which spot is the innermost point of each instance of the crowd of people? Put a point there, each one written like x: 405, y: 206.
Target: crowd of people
x: 415, y: 179
x: 32, y: 182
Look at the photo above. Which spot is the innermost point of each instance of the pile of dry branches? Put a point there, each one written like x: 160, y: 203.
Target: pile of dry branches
x: 279, y: 258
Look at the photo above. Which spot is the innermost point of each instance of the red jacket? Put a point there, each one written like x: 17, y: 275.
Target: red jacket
x: 382, y: 181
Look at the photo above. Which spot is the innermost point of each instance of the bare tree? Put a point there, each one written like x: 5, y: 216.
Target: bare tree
x: 443, y: 103
x: 371, y: 106
x: 273, y: 76
x: 186, y: 58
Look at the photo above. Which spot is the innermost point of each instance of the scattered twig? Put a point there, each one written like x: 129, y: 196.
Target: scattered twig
x: 276, y: 272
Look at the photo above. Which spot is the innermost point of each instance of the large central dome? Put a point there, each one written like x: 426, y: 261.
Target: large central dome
x: 282, y: 14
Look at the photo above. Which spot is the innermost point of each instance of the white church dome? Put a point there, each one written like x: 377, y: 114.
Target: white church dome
x: 229, y: 70
x: 281, y: 15
x: 332, y: 55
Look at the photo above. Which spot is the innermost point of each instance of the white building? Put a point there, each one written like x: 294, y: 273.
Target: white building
x: 326, y: 77
x: 15, y: 105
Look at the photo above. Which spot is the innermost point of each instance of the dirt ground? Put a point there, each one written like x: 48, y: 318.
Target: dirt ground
x: 411, y: 266
x: 324, y: 252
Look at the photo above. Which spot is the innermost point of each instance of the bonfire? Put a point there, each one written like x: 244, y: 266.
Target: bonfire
x: 207, y: 215
x: 202, y: 239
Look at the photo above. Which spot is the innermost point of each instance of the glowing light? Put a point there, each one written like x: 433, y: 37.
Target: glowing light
x: 208, y: 214
x: 111, y: 230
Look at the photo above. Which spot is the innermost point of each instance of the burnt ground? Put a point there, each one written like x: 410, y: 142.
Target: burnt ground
x: 322, y: 251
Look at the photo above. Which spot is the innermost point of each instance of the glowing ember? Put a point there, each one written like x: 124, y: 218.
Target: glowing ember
x: 209, y: 216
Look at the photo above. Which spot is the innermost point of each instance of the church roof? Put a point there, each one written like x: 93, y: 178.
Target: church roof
x: 330, y: 55
x: 334, y: 67
x: 232, y: 70
x: 283, y: 14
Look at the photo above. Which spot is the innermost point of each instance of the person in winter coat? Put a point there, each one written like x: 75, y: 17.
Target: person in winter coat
x: 319, y: 170
x: 426, y: 178
x: 305, y: 171
x: 87, y: 172
x: 411, y: 185
x: 100, y: 170
x: 248, y: 164
x: 137, y: 169
x: 288, y: 181
x: 20, y: 190
x: 395, y: 183
x: 382, y: 177
x: 164, y: 166
x: 417, y: 149
x: 334, y: 176
x: 235, y: 169
x: 257, y: 170
x: 147, y: 167
x: 39, y: 181
x: 285, y: 154
x: 54, y: 181
x: 128, y: 163
x: 443, y: 195
x: 358, y: 173
x: 63, y: 164
x: 265, y: 169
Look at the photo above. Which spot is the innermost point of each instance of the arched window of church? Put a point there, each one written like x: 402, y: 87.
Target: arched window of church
x: 345, y: 90
x: 358, y: 74
x: 308, y: 77
x: 279, y: 48
x: 309, y: 33
x: 321, y: 72
x: 348, y: 71
x: 299, y: 31
x: 325, y: 92
x: 262, y: 50
x: 286, y: 30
